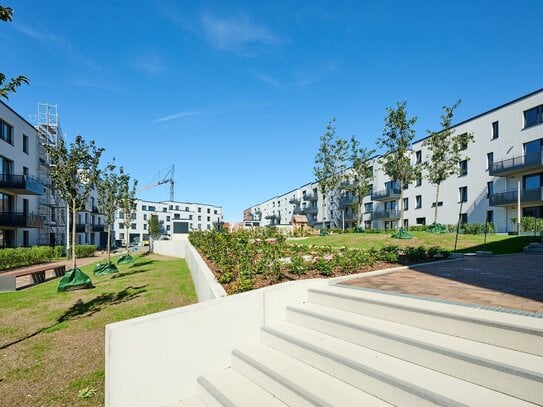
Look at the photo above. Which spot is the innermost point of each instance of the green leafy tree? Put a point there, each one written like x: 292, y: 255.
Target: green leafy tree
x: 74, y: 173
x: 127, y: 202
x: 360, y: 176
x: 329, y: 163
x: 396, y: 140
x: 6, y: 14
x: 154, y: 229
x: 444, y: 149
x: 107, y: 186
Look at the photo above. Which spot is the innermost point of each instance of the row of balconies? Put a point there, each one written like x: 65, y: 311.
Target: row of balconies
x: 21, y: 184
x: 20, y: 219
x: 511, y: 197
x: 516, y: 165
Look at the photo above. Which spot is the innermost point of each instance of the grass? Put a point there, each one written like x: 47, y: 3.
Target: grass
x: 498, y: 244
x: 52, y: 344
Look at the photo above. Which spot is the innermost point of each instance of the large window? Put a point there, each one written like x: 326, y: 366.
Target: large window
x: 533, y: 116
x: 495, y: 130
x: 6, y: 132
x: 418, y: 201
x: 463, y: 170
x: 463, y: 194
x: 489, y: 188
x: 25, y: 143
x: 489, y: 160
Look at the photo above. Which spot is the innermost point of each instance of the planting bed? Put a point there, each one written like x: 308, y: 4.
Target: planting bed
x: 245, y: 260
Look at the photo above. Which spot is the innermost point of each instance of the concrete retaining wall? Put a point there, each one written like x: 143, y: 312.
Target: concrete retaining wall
x: 155, y: 360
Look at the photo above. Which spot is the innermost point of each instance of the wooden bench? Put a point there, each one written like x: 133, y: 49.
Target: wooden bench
x: 38, y: 275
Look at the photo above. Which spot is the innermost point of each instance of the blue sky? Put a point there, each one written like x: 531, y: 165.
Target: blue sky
x: 236, y: 94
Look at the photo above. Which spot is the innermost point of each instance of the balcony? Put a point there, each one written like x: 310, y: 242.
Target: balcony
x: 21, y: 184
x: 311, y: 197
x: 347, y: 185
x: 294, y: 201
x: 346, y: 201
x: 272, y: 217
x: 97, y: 228
x: 20, y: 220
x: 47, y: 200
x: 511, y: 197
x: 385, y: 215
x: 298, y: 211
x: 80, y: 228
x: 516, y: 165
x: 94, y: 209
x: 386, y: 194
x: 310, y: 209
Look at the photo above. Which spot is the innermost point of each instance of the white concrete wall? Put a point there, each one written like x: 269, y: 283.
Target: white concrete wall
x: 154, y: 360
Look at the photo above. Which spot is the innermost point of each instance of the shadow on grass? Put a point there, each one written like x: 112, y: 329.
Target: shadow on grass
x: 82, y: 309
x: 141, y: 263
x: 129, y: 273
x: 514, y: 244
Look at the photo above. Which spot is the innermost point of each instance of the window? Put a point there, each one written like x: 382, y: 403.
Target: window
x: 463, y: 194
x: 406, y: 223
x: 489, y: 160
x: 167, y: 227
x: 199, y: 217
x: 463, y: 218
x: 439, y: 203
x: 199, y: 209
x: 208, y: 210
x: 209, y: 218
x: 368, y: 207
x: 208, y: 227
x: 418, y: 157
x: 418, y: 182
x: 533, y: 116
x: 199, y: 226
x: 164, y: 209
x: 144, y: 216
x: 25, y: 171
x: 152, y: 208
x: 421, y: 221
x: 25, y: 143
x: 133, y: 226
x: 495, y: 130
x: 463, y: 142
x: 190, y: 217
x: 187, y: 208
x: 215, y: 212
x: 405, y: 204
x: 418, y: 200
x: 489, y: 188
x: 143, y: 207
x: 490, y: 216
x: 463, y: 168
x: 171, y: 207
x: 145, y: 226
x: 121, y: 226
x: 6, y: 132
x: 167, y: 218
x: 176, y: 216
x: 176, y: 207
x: 120, y: 214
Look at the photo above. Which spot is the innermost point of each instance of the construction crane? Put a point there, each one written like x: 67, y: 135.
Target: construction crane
x: 163, y: 177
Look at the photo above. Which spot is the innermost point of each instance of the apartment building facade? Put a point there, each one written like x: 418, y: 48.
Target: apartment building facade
x: 31, y: 210
x: 501, y: 168
x: 173, y: 217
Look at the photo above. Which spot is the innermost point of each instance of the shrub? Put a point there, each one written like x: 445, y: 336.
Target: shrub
x: 531, y: 224
x: 417, y: 228
x: 324, y: 267
x: 478, y: 228
x: 86, y: 250
x: 24, y: 256
x: 370, y: 230
x: 297, y: 265
x: 415, y: 253
x: 58, y: 251
x: 226, y: 277
x: 388, y: 253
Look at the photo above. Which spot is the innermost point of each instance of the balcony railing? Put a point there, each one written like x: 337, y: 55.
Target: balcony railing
x: 347, y: 185
x: 80, y: 228
x: 517, y: 164
x: 346, y: 201
x: 97, y: 228
x: 390, y: 193
x: 310, y: 197
x: 294, y: 201
x: 21, y: 184
x: 392, y: 214
x: 511, y: 197
x: 310, y: 209
x: 272, y: 217
x: 20, y: 220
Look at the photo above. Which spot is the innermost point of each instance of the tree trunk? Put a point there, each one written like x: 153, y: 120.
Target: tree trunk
x: 126, y: 237
x: 401, y: 206
x: 74, y: 212
x: 323, y: 211
x: 437, y: 200
x: 109, y: 244
x: 359, y: 214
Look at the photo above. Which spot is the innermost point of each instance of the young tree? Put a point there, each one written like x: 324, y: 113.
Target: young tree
x: 74, y: 173
x: 6, y: 14
x: 154, y: 229
x: 360, y: 175
x: 127, y: 202
x: 445, y: 149
x: 329, y: 163
x: 396, y: 140
x: 107, y: 186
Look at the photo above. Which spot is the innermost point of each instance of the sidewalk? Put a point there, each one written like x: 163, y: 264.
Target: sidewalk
x: 510, y: 281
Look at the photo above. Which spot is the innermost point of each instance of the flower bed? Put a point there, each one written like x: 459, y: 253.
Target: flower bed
x: 245, y: 260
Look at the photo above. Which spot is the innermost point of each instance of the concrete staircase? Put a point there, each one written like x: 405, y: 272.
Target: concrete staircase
x: 534, y: 248
x: 348, y: 346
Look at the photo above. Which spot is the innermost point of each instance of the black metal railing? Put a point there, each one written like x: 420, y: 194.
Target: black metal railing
x: 21, y: 219
x: 272, y: 216
x: 98, y: 228
x: 515, y: 164
x: 511, y: 197
x: 310, y: 209
x: 389, y: 193
x: 310, y: 197
x: 22, y: 184
x: 346, y: 201
x: 294, y: 201
x: 392, y: 214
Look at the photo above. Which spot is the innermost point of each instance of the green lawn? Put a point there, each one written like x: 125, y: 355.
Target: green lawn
x: 52, y: 344
x: 498, y: 244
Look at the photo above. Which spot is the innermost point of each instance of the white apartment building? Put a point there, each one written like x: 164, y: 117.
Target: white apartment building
x: 31, y: 212
x: 504, y: 159
x: 173, y: 216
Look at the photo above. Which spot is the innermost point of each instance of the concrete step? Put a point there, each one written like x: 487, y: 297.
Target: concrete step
x: 192, y: 402
x: 502, y: 329
x: 230, y: 388
x: 508, y: 371
x: 391, y: 379
x: 295, y: 382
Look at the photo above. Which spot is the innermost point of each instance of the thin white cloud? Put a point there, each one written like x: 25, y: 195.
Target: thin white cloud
x: 149, y: 64
x: 235, y: 33
x: 58, y: 43
x: 179, y: 115
x: 300, y: 79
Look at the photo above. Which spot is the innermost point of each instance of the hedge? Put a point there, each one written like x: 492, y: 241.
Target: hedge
x: 28, y: 256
